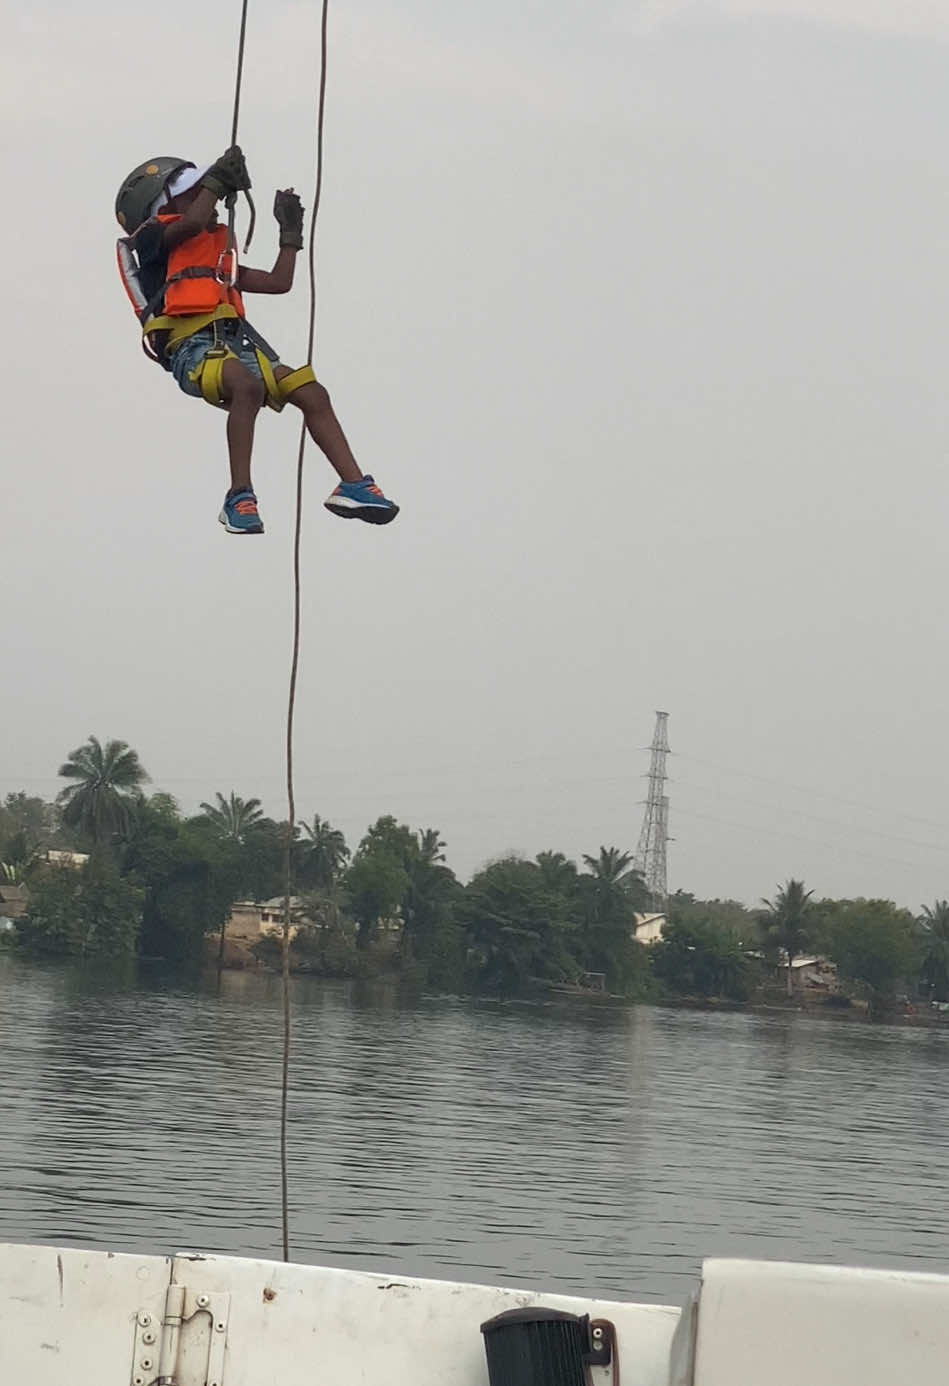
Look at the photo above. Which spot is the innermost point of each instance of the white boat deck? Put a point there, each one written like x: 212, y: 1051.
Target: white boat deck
x: 93, y: 1318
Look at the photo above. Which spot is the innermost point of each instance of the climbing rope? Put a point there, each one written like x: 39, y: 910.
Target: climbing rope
x: 297, y: 591
x: 232, y: 200
x: 295, y: 660
x: 294, y: 663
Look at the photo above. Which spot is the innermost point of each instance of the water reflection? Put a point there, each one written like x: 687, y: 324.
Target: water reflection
x: 600, y: 1149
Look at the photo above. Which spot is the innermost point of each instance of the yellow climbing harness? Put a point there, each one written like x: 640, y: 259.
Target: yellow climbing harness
x: 207, y: 374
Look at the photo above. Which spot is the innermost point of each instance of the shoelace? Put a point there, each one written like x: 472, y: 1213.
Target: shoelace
x: 246, y: 507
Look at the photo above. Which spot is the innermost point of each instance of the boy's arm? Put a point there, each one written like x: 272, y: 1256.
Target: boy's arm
x: 192, y: 221
x: 289, y: 214
x: 279, y: 280
x: 226, y: 176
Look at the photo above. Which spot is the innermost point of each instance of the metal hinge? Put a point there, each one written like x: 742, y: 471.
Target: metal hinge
x: 165, y: 1355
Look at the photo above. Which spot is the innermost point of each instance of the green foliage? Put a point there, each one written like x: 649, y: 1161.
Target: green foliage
x: 159, y: 884
x: 89, y: 912
x: 932, y: 932
x: 731, y: 916
x: 607, y: 898
x: 431, y: 848
x: 329, y: 951
x: 873, y: 944
x: 54, y: 924
x: 518, y: 928
x: 321, y: 855
x: 101, y: 803
x: 375, y: 885
x: 27, y: 824
x: 789, y: 922
x: 233, y: 817
x: 189, y: 878
x: 262, y: 860
x: 112, y: 909
x: 702, y: 957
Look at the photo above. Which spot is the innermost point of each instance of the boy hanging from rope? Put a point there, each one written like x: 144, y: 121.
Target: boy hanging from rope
x: 182, y: 277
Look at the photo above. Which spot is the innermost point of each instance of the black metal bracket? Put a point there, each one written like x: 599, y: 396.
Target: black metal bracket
x: 602, y: 1341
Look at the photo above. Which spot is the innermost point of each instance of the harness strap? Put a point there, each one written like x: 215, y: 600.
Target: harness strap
x: 208, y: 376
x: 275, y: 400
x: 266, y: 356
x: 181, y: 328
x: 295, y: 380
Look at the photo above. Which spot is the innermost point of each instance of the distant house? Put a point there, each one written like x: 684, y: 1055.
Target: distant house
x: 647, y: 928
x: 250, y: 920
x: 808, y: 973
x: 14, y: 901
x: 57, y: 858
x: 815, y: 974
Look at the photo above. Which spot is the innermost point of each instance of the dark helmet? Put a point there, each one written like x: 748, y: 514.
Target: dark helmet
x: 142, y: 189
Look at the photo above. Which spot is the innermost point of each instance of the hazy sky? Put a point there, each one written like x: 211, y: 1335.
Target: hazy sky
x: 638, y: 310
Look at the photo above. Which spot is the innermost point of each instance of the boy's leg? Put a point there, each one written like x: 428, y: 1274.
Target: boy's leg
x: 244, y: 395
x: 323, y: 426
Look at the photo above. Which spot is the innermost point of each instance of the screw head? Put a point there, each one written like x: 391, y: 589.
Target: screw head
x: 203, y: 1301
x: 144, y: 1319
x: 148, y: 1337
x: 146, y: 1363
x: 598, y: 1333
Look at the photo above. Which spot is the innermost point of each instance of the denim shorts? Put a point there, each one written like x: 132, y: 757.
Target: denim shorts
x: 193, y: 350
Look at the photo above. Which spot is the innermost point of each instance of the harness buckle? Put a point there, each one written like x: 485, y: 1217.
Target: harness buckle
x: 219, y: 347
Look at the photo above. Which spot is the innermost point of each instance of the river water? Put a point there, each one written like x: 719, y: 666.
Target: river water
x: 595, y: 1148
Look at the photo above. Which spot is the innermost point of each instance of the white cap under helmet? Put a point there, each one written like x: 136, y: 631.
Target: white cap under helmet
x: 181, y: 183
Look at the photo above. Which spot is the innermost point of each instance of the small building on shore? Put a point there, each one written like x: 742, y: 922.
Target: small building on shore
x: 74, y: 860
x: 647, y: 928
x: 808, y: 974
x: 251, y: 920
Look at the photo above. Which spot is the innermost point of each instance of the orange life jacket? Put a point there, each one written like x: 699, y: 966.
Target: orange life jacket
x: 193, y: 294
x: 196, y: 294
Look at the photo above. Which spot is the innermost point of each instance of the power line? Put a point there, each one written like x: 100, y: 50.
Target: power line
x: 811, y: 790
x: 817, y: 818
x: 797, y: 837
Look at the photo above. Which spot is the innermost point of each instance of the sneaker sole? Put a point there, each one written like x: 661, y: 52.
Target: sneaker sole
x: 232, y: 529
x: 352, y: 510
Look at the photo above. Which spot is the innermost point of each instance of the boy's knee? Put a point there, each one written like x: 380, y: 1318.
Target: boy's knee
x: 320, y: 398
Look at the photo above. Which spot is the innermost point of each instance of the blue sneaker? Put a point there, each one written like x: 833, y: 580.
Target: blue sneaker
x: 240, y: 515
x: 361, y: 500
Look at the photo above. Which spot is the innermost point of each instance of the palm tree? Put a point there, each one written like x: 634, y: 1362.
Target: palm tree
x: 559, y: 874
x: 108, y: 780
x: 789, y: 923
x: 234, y: 816
x: 431, y: 847
x: 617, y: 879
x: 323, y: 853
x: 933, y: 927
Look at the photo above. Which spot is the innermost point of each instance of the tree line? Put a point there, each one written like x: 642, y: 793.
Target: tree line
x: 159, y: 884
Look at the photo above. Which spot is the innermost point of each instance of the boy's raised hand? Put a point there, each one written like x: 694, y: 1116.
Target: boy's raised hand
x: 228, y: 174
x: 288, y: 210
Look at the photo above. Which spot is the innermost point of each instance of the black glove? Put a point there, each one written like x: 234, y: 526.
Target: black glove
x: 228, y: 174
x: 288, y: 210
